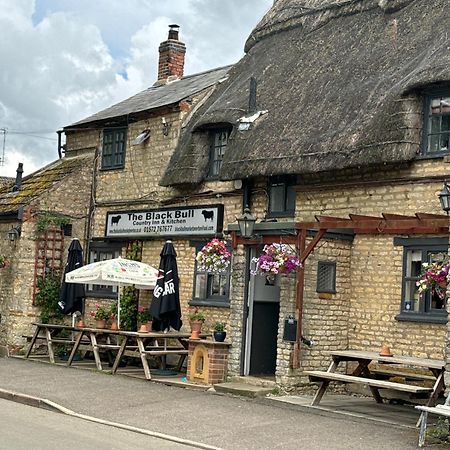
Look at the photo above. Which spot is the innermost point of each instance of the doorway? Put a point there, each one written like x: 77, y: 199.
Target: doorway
x: 262, y: 324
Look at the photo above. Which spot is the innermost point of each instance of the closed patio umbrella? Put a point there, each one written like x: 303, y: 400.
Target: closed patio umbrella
x: 165, y: 307
x: 71, y: 297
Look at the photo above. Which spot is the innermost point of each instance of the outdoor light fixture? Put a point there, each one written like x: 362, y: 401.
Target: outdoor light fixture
x: 246, y: 223
x: 166, y: 127
x: 14, y: 233
x: 444, y: 198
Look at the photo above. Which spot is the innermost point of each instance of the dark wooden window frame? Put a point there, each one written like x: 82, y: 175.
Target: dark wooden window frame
x: 117, y: 156
x: 426, y: 246
x: 214, y: 300
x: 287, y: 183
x: 215, y: 162
x: 326, y: 265
x: 429, y: 95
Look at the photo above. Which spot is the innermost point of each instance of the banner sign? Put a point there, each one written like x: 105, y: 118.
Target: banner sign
x: 183, y: 221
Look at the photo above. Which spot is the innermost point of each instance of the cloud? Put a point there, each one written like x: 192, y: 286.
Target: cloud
x: 64, y: 60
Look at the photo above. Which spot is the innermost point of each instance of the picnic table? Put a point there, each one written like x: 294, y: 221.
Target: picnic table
x: 366, y: 375
x: 123, y: 343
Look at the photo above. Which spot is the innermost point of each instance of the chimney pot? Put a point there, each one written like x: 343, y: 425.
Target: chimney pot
x: 18, y: 181
x: 173, y: 31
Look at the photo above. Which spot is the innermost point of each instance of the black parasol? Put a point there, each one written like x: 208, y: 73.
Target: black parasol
x: 165, y: 307
x: 71, y: 295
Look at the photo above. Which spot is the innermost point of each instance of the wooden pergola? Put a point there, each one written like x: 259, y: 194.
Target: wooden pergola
x: 419, y: 224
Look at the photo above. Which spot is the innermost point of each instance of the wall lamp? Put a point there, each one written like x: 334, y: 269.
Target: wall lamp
x: 166, y: 127
x: 14, y: 233
x: 444, y: 198
x: 246, y: 223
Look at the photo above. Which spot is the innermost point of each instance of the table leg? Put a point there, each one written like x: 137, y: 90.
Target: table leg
x: 437, y: 389
x: 33, y: 341
x: 423, y: 428
x: 319, y: 394
x: 98, y: 361
x: 144, y: 361
x: 363, y: 369
x: 75, y: 347
x: 51, y: 354
x: 120, y: 353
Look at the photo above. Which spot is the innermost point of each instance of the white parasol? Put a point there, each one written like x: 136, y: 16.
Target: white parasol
x: 115, y: 272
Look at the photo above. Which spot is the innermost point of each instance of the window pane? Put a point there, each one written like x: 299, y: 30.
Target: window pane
x: 413, y: 263
x: 435, y: 124
x: 200, y: 285
x: 446, y: 123
x: 433, y: 145
x: 437, y: 302
x: 445, y: 142
x: 411, y: 297
x: 445, y: 105
x: 276, y: 198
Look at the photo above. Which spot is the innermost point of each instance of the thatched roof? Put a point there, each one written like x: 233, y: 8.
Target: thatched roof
x: 338, y: 82
x: 158, y: 96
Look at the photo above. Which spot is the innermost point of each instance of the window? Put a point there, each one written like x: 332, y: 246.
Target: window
x: 326, y: 277
x: 281, y: 196
x: 114, y: 143
x: 219, y: 142
x: 211, y: 289
x: 428, y: 306
x: 99, y: 251
x: 437, y: 126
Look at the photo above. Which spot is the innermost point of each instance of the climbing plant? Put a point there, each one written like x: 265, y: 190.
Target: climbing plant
x: 129, y: 298
x: 47, y: 298
x: 47, y: 220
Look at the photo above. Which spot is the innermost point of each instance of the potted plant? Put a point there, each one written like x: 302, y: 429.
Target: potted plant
x: 113, y: 315
x: 101, y: 315
x: 144, y: 318
x: 219, y: 332
x: 196, y: 320
x: 4, y: 262
x: 214, y: 257
x: 434, y: 278
x: 276, y: 259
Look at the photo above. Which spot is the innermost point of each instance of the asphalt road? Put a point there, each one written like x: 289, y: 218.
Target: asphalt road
x: 24, y: 427
x: 221, y: 421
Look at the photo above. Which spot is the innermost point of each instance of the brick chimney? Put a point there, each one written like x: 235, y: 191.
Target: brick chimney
x: 171, y: 57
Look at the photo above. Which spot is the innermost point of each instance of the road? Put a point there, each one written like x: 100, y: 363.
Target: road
x: 24, y: 427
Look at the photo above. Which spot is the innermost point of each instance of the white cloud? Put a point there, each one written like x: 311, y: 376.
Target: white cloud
x: 63, y: 60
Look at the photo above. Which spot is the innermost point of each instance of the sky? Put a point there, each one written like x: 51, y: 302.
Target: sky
x: 62, y: 60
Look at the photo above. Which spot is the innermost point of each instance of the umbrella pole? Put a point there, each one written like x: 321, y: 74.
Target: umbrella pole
x: 118, y: 308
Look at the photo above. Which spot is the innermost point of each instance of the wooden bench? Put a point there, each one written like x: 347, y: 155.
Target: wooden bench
x: 388, y: 373
x: 441, y: 410
x: 373, y: 383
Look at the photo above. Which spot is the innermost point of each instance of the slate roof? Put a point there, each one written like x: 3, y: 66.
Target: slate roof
x: 158, y: 96
x: 342, y: 84
x: 37, y: 183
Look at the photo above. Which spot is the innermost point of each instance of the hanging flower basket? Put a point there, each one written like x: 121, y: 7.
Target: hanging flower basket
x: 276, y: 259
x: 214, y: 257
x: 434, y: 278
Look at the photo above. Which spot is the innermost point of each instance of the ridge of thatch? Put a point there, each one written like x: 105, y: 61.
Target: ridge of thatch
x: 340, y: 93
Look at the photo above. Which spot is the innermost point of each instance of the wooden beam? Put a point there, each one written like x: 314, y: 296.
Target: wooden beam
x: 312, y: 245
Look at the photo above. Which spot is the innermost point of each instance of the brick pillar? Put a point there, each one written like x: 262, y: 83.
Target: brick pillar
x: 207, y: 361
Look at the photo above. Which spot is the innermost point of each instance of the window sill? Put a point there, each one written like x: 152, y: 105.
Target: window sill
x: 101, y: 294
x: 206, y: 302
x: 425, y: 318
x: 274, y: 215
x: 432, y: 155
x: 105, y: 169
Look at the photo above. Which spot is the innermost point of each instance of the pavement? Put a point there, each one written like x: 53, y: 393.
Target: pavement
x: 205, y: 419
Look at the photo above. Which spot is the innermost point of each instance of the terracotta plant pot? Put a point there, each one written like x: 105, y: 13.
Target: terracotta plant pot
x: 143, y: 328
x: 196, y: 328
x: 385, y: 351
x: 149, y: 326
x: 100, y: 324
x: 81, y: 324
x: 114, y: 325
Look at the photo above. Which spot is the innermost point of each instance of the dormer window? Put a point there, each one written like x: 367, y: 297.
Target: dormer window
x: 437, y: 136
x: 218, y: 145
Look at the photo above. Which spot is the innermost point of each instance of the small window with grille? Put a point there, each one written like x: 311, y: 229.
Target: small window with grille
x: 326, y: 277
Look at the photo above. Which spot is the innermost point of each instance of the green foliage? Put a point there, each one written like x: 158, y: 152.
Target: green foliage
x: 218, y: 327
x: 134, y: 251
x: 47, y: 298
x: 47, y: 220
x: 128, y: 309
x: 440, y: 431
x: 100, y: 313
x: 144, y: 315
x: 197, y: 316
x: 113, y: 310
